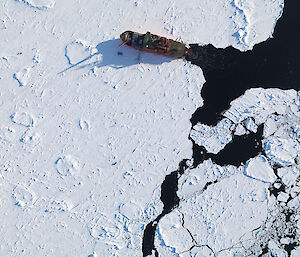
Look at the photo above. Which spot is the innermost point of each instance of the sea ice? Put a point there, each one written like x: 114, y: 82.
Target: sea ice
x: 215, y: 138
x: 259, y: 103
x: 22, y: 118
x: 270, y: 127
x: 282, y: 197
x: 250, y: 125
x: 288, y: 175
x: 39, y: 4
x: 171, y: 233
x: 275, y: 250
x: 126, y: 117
x: 79, y: 50
x: 240, y: 130
x: 66, y: 165
x: 281, y: 151
x: 23, y: 196
x: 22, y: 76
x: 225, y: 211
x: 260, y: 169
x: 194, y: 180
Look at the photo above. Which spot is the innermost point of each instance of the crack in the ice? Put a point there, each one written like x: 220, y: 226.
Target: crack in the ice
x: 269, y: 64
x: 169, y: 187
x: 170, y: 200
x: 195, y: 243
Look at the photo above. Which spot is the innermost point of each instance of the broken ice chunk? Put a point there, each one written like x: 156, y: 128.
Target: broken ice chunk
x: 296, y: 130
x: 281, y: 151
x: 250, y: 125
x: 240, y: 130
x: 275, y: 250
x: 294, y: 203
x: 288, y: 175
x: 173, y: 234
x: 214, y: 138
x: 227, y: 206
x: 283, y: 197
x: 260, y: 103
x: 269, y: 127
x: 260, y: 169
x: 296, y: 252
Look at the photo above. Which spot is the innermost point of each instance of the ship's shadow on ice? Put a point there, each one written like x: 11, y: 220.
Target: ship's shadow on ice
x: 125, y: 56
x: 108, y: 54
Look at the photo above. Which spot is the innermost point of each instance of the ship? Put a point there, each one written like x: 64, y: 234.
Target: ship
x: 154, y: 44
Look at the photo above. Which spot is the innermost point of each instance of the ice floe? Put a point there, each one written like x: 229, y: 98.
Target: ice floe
x: 260, y: 169
x: 215, y: 138
x: 281, y: 151
x: 234, y: 204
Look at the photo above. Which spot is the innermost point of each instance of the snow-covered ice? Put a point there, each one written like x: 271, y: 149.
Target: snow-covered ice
x: 282, y: 151
x: 215, y: 138
x: 259, y: 168
x: 208, y: 206
x: 234, y: 204
x: 22, y: 76
x: 288, y: 175
x: 39, y: 4
x: 175, y: 237
x: 88, y: 132
x: 259, y: 103
x: 250, y: 125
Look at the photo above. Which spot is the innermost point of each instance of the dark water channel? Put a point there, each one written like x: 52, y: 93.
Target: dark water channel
x: 229, y: 73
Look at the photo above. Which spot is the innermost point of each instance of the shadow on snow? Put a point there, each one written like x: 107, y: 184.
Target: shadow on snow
x: 118, y: 58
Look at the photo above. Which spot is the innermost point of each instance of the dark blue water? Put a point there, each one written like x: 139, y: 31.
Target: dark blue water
x: 229, y: 73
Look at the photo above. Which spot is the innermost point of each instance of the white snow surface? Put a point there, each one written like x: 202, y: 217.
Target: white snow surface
x: 260, y: 169
x: 83, y: 151
x: 175, y: 237
x: 236, y: 204
x: 39, y: 4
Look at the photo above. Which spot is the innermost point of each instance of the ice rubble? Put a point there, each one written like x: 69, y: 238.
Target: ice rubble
x: 255, y: 107
x: 215, y: 138
x: 234, y: 210
x: 281, y: 151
